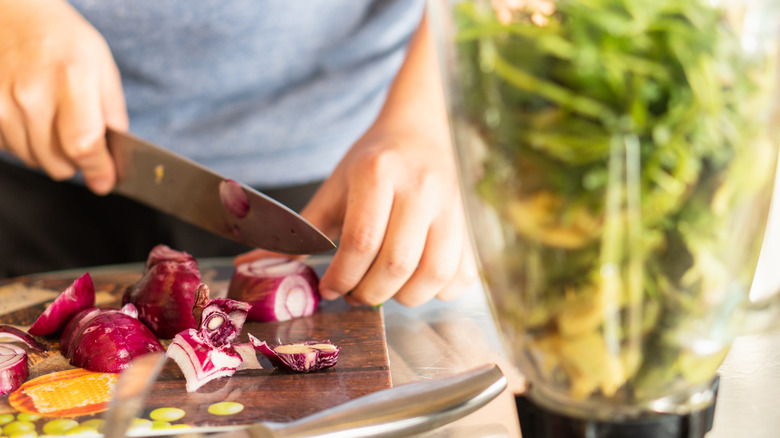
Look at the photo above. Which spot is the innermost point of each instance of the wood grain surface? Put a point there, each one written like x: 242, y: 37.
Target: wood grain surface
x: 266, y: 394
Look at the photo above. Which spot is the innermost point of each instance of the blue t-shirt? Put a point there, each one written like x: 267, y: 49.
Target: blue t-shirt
x: 269, y: 93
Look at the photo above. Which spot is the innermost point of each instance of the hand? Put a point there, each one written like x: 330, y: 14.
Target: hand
x: 59, y: 89
x: 393, y: 201
x: 394, y: 205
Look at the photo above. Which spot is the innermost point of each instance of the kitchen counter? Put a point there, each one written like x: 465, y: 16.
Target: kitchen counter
x: 439, y: 338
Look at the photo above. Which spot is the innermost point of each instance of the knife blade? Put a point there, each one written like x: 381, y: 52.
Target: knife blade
x: 183, y: 188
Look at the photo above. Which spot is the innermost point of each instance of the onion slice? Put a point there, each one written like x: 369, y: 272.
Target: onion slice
x: 13, y: 368
x: 14, y: 333
x: 299, y: 357
x: 106, y: 340
x: 199, y: 361
x: 278, y: 288
x: 75, y: 298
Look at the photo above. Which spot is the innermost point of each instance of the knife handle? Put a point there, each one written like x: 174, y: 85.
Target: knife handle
x: 412, y: 408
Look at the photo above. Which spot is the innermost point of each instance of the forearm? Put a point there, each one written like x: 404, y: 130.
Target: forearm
x: 416, y: 96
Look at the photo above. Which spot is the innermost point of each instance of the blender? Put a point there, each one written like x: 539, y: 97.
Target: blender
x: 617, y: 160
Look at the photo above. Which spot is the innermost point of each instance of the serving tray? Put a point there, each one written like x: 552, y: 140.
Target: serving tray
x: 247, y: 397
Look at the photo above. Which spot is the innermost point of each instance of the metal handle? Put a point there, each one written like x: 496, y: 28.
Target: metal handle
x: 407, y: 409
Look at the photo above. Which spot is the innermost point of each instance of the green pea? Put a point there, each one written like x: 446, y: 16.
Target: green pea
x: 226, y: 408
x: 95, y: 423
x: 24, y: 416
x: 18, y: 427
x: 59, y: 426
x: 6, y: 418
x: 141, y: 424
x: 166, y: 414
x: 83, y: 431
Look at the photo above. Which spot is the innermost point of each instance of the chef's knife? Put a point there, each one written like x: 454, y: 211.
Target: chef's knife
x: 182, y: 188
x: 396, y: 412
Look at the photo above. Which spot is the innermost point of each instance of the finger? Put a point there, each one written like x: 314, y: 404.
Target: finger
x: 12, y: 132
x: 467, y: 275
x: 81, y: 130
x: 113, y: 99
x: 438, y: 264
x: 400, y: 254
x: 367, y: 211
x: 37, y: 108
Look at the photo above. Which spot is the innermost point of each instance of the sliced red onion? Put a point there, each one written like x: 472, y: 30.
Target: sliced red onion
x: 278, y: 288
x: 13, y: 368
x: 199, y: 361
x: 234, y: 198
x: 77, y: 297
x: 299, y: 357
x: 73, y: 327
x: 106, y: 340
x: 222, y: 320
x: 165, y: 295
x: 19, y: 335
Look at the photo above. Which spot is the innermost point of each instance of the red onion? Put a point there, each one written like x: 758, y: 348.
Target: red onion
x: 164, y: 295
x: 13, y: 368
x: 299, y: 357
x: 201, y: 362
x: 234, y: 198
x: 106, y: 340
x: 223, y: 320
x: 15, y: 333
x: 278, y: 288
x: 77, y: 297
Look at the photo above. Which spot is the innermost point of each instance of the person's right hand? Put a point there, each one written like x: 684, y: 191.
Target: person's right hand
x: 59, y: 89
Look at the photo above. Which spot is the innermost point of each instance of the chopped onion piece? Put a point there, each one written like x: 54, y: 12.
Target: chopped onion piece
x: 165, y: 295
x: 75, y: 298
x: 234, y: 198
x: 106, y: 340
x: 279, y: 289
x: 200, y: 362
x: 222, y: 320
x: 299, y: 357
x: 13, y: 368
x: 14, y: 333
x: 248, y: 356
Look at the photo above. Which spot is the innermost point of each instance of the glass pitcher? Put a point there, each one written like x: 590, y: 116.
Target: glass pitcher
x: 617, y: 159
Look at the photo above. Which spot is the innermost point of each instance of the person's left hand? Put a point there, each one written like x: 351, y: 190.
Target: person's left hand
x: 394, y: 205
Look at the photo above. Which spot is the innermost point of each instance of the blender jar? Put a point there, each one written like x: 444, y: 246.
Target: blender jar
x: 617, y: 159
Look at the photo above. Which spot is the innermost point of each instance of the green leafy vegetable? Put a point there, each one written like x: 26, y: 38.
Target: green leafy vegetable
x: 627, y: 161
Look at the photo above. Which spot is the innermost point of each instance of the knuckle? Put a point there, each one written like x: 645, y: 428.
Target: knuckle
x: 82, y: 143
x: 363, y: 240
x: 400, y: 265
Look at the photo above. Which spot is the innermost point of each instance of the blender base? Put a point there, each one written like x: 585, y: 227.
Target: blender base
x: 539, y: 422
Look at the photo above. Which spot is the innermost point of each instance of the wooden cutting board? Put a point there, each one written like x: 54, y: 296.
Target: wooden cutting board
x: 264, y: 394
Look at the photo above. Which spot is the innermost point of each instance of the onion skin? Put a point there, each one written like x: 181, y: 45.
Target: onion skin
x: 199, y: 361
x: 75, y: 298
x: 13, y: 368
x: 278, y: 288
x: 303, y: 356
x: 106, y: 340
x: 165, y: 295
